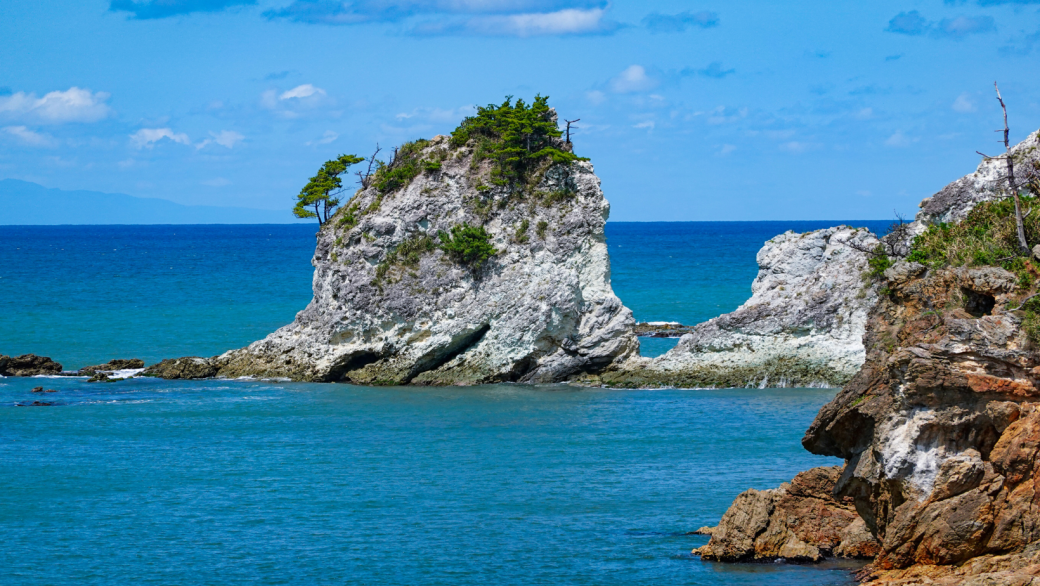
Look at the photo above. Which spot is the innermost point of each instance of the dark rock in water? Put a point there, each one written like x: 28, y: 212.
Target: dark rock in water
x: 28, y: 365
x: 800, y: 521
x: 43, y: 390
x: 37, y: 404
x: 118, y: 364
x: 189, y: 367
x: 99, y: 377
x: 662, y: 330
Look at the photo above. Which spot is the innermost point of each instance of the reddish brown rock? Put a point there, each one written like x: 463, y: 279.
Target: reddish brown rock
x: 799, y: 521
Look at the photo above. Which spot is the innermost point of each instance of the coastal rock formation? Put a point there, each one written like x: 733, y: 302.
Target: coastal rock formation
x: 189, y: 367
x: 803, y: 325
x: 988, y: 182
x: 799, y: 521
x: 940, y: 429
x: 392, y: 307
x: 28, y: 365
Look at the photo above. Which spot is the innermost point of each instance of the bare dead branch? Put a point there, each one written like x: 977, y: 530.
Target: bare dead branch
x: 1023, y: 245
x: 1023, y: 304
x: 569, y: 122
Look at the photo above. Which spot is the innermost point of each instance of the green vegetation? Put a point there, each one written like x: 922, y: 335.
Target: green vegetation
x: 986, y: 237
x: 541, y: 228
x: 521, y: 236
x: 467, y: 245
x: 407, y: 254
x: 320, y: 191
x: 517, y: 138
x: 879, y: 262
x: 349, y: 218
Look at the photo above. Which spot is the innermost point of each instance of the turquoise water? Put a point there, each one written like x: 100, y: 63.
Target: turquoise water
x: 86, y: 294
x: 156, y: 482
x: 233, y: 482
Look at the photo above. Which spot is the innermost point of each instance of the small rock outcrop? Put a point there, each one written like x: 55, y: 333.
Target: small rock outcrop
x: 28, y: 365
x: 113, y: 365
x: 800, y: 521
x: 803, y: 325
x: 189, y: 367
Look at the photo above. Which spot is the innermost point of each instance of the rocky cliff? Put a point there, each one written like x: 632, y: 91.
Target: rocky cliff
x: 391, y: 306
x: 803, y: 325
x: 940, y: 428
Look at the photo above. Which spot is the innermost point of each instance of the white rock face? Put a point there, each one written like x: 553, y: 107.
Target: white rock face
x: 803, y: 325
x: 540, y: 310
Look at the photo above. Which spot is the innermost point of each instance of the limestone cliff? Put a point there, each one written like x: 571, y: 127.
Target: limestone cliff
x: 802, y: 326
x: 391, y: 307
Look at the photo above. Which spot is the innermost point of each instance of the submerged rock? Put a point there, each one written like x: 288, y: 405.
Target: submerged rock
x: 800, y: 521
x: 28, y: 365
x: 391, y: 307
x: 803, y: 325
x: 662, y: 329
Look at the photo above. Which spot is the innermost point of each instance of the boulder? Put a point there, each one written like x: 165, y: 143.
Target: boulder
x: 113, y: 365
x: 800, y: 521
x: 190, y: 367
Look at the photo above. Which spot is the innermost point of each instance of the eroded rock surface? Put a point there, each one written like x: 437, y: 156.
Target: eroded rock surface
x: 803, y: 325
x: 940, y: 429
x: 113, y: 365
x: 28, y: 365
x: 540, y: 310
x: 799, y: 521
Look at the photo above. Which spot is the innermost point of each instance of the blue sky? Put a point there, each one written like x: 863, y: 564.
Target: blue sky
x: 753, y: 110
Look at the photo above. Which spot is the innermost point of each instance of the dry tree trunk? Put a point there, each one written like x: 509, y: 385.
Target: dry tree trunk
x: 1019, y: 224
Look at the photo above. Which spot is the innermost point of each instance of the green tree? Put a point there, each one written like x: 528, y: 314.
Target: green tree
x: 321, y: 191
x: 468, y: 245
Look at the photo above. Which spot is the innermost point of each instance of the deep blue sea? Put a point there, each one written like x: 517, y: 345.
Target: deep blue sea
x: 231, y: 482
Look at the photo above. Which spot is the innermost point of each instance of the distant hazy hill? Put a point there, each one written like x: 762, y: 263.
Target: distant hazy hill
x: 27, y: 203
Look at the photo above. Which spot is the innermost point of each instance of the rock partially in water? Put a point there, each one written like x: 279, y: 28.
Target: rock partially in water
x: 662, y: 329
x: 189, y: 367
x: 43, y: 390
x: 802, y: 327
x: 28, y: 365
x: 391, y: 307
x: 800, y: 521
x: 113, y: 365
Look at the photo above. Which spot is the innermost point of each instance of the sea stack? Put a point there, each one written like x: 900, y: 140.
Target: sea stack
x: 395, y: 304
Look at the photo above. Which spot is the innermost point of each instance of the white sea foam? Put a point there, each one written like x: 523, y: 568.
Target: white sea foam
x: 125, y: 373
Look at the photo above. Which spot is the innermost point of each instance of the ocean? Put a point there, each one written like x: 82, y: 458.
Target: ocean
x: 232, y: 482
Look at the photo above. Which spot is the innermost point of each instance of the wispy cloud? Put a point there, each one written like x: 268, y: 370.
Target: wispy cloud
x: 30, y: 137
x: 632, y: 79
x: 677, y: 23
x: 570, y: 21
x: 72, y: 105
x: 225, y: 138
x: 301, y: 91
x: 147, y: 137
x: 914, y: 24
x: 964, y: 104
x: 150, y: 9
x: 714, y: 70
x: 899, y: 140
x: 326, y: 138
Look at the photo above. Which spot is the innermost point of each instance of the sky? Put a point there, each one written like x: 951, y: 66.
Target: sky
x: 737, y: 110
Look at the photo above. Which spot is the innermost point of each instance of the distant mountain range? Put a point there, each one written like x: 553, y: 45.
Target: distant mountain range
x: 24, y: 203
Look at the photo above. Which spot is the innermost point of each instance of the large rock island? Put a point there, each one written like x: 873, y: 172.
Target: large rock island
x: 395, y: 304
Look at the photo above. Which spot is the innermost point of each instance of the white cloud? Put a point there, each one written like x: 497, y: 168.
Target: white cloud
x: 964, y: 104
x: 218, y: 182
x: 795, y: 147
x: 302, y: 91
x: 72, y: 105
x: 649, y: 125
x: 147, y: 137
x: 632, y: 79
x: 865, y: 114
x: 439, y: 114
x: 225, y: 138
x: 727, y: 149
x: 30, y: 137
x: 562, y: 22
x: 899, y: 140
x: 326, y: 138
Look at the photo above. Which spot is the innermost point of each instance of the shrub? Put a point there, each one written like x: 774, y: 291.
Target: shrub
x: 521, y: 236
x: 879, y: 263
x: 542, y: 226
x: 399, y: 172
x: 467, y: 245
x: 407, y: 253
x: 986, y: 237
